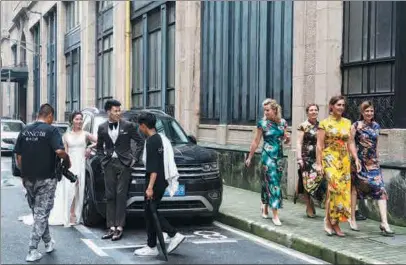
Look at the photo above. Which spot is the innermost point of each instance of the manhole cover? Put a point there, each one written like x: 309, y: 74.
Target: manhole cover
x: 393, y: 241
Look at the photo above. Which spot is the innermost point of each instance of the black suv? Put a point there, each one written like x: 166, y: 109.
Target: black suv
x: 200, y: 185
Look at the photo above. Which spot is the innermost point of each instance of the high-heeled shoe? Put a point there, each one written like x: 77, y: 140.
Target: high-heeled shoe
x: 386, y: 231
x: 328, y: 230
x: 339, y: 234
x: 352, y: 226
x: 276, y: 222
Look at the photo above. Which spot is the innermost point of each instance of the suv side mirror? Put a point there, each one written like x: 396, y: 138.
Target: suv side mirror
x: 192, y: 139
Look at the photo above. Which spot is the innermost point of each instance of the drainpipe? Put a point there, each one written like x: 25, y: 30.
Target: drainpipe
x: 127, y: 53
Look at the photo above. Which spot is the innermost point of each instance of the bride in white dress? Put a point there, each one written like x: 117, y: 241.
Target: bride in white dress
x: 68, y: 203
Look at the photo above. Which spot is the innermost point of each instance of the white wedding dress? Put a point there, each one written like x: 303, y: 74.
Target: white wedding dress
x: 66, y: 192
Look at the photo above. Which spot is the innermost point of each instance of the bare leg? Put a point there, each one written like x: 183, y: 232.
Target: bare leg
x: 327, y: 223
x: 383, y: 212
x: 275, y: 217
x: 352, y: 221
x: 309, y: 207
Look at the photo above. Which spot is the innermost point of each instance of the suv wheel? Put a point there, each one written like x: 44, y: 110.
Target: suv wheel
x: 90, y: 215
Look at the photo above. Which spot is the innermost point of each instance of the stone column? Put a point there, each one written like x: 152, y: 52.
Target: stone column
x: 61, y: 60
x: 88, y: 54
x: 187, y: 65
x: 317, y: 44
x: 118, y: 64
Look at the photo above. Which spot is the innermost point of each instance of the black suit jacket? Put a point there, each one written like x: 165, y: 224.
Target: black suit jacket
x: 127, y: 132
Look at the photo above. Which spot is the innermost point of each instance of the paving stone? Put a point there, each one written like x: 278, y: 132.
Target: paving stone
x: 241, y: 209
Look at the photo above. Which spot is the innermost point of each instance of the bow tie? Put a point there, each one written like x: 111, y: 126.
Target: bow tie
x: 113, y: 124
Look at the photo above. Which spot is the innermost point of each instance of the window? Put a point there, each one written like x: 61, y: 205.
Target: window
x: 154, y: 60
x: 368, y: 61
x: 36, y: 68
x: 73, y: 80
x: 137, y: 65
x: 171, y: 56
x: 105, y: 71
x: 104, y: 5
x: 72, y: 14
x: 104, y: 31
x: 246, y: 56
x: 149, y: 70
x: 51, y: 60
x: 14, y: 52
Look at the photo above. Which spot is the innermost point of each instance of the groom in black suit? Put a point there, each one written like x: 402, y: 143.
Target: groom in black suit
x: 114, y: 151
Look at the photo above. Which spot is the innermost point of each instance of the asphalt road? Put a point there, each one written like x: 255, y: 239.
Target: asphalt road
x: 205, y: 244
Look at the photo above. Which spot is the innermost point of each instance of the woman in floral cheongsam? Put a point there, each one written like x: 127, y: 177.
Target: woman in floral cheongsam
x: 310, y: 182
x: 368, y: 182
x: 333, y: 160
x: 273, y: 129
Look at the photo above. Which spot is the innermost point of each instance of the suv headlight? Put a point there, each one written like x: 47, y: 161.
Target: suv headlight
x: 210, y: 167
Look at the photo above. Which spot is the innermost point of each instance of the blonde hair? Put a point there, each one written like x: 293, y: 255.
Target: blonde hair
x: 275, y: 106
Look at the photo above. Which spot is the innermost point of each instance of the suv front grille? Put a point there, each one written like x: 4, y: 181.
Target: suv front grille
x: 171, y: 205
x: 186, y: 172
x: 9, y: 140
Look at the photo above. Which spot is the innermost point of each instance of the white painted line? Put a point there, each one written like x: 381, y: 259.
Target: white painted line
x: 271, y: 245
x: 83, y: 230
x: 124, y: 246
x: 94, y: 247
x: 219, y: 241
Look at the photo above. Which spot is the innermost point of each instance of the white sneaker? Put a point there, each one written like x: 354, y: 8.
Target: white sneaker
x: 50, y: 246
x: 167, y: 239
x: 147, y: 251
x: 33, y: 255
x: 175, y: 242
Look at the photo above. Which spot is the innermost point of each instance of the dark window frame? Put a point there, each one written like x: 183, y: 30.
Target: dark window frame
x: 51, y: 19
x: 73, y: 88
x: 36, y: 33
x: 103, y: 90
x: 367, y: 75
x: 161, y: 71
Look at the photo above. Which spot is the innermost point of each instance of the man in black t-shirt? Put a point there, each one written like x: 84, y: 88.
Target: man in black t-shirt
x: 155, y: 188
x: 38, y: 146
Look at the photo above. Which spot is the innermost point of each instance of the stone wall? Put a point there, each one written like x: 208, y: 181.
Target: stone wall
x: 234, y: 172
x: 395, y: 182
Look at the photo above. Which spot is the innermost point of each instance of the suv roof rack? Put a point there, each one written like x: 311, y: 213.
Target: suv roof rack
x: 92, y: 109
x: 156, y: 111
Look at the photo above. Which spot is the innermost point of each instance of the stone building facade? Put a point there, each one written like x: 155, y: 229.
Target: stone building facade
x: 210, y: 64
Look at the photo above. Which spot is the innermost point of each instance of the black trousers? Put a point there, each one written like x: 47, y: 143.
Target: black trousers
x: 116, y: 179
x: 149, y: 219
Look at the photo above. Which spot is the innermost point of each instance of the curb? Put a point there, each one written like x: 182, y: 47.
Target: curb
x: 298, y: 243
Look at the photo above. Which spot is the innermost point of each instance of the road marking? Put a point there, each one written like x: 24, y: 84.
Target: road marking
x: 219, y: 241
x: 270, y: 244
x: 85, y: 231
x: 94, y: 247
x: 124, y: 246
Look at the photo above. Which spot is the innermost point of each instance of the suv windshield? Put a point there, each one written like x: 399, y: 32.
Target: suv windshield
x: 9, y: 126
x: 169, y: 127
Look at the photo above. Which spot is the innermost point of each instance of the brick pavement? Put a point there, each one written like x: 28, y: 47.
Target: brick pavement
x: 241, y: 209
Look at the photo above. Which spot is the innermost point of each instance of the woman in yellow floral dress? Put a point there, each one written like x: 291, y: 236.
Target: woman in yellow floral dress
x: 333, y: 160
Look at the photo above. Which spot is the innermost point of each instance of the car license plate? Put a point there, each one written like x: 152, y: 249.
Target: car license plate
x: 180, y: 192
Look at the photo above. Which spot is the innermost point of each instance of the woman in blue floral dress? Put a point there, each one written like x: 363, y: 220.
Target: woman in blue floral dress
x: 368, y: 181
x: 273, y: 130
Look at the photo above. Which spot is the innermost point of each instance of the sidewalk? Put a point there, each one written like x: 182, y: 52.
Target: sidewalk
x: 241, y: 209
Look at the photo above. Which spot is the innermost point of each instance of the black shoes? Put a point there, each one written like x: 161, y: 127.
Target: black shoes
x: 110, y: 233
x: 118, y: 234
